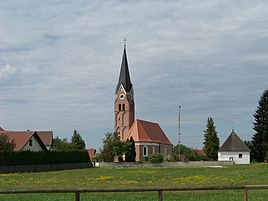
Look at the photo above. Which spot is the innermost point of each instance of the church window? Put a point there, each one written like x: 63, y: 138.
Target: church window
x: 121, y: 96
x: 239, y: 155
x: 145, y: 151
x: 123, y: 107
x: 119, y: 107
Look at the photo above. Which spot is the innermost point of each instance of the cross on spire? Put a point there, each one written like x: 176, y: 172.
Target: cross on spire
x: 125, y: 42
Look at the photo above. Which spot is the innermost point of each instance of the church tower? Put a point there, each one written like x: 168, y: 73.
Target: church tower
x: 124, y: 106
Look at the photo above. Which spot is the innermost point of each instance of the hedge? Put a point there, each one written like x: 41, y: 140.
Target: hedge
x: 156, y: 158
x: 43, y: 157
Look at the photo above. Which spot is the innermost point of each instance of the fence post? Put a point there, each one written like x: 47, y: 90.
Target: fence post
x: 246, y: 194
x: 160, y: 195
x: 77, y: 196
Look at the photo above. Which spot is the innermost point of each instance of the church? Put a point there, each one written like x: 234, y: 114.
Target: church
x: 148, y: 136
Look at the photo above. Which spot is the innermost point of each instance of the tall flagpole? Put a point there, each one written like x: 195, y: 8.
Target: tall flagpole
x: 179, y: 132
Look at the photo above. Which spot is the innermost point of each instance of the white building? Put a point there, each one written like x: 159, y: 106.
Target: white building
x: 234, y: 149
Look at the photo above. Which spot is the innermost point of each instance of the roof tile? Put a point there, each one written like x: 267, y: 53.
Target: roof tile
x: 22, y: 137
x: 46, y: 137
x: 145, y: 131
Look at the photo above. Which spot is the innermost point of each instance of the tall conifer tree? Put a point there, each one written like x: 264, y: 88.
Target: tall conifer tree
x: 130, y: 152
x: 260, y: 126
x: 211, y: 140
x: 78, y: 141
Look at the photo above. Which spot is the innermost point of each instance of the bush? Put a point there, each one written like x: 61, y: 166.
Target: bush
x: 168, y: 158
x: 156, y: 158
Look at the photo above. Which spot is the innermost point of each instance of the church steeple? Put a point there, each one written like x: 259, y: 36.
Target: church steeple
x: 124, y: 106
x: 124, y: 76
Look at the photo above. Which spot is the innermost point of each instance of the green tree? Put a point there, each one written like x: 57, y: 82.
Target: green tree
x: 211, y: 140
x: 260, y: 126
x: 78, y: 141
x: 187, y: 154
x: 129, y: 149
x: 6, y: 144
x: 62, y: 145
x: 112, y: 146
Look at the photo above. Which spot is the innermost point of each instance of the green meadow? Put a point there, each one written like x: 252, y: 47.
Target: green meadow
x: 94, y: 178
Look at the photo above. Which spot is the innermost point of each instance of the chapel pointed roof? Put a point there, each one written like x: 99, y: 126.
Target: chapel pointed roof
x: 124, y: 77
x: 234, y: 143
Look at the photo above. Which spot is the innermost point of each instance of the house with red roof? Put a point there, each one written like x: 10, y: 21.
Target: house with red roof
x: 91, y: 153
x: 46, y: 137
x: 148, y: 136
x: 29, y: 140
x: 200, y: 152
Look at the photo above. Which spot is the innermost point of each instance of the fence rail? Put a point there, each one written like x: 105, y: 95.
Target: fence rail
x: 160, y: 191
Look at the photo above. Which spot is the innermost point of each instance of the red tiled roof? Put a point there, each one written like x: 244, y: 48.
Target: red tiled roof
x: 21, y: 138
x: 200, y: 152
x: 1, y: 129
x: 91, y: 152
x: 145, y: 131
x: 46, y: 137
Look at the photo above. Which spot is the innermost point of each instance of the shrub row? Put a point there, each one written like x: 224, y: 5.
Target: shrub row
x: 43, y: 157
x: 156, y: 158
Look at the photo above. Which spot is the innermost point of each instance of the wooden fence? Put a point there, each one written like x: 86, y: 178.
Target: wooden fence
x: 160, y: 191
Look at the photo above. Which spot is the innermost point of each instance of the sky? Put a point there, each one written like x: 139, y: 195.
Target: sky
x: 60, y: 62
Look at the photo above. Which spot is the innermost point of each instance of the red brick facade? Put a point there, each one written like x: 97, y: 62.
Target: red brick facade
x: 124, y: 112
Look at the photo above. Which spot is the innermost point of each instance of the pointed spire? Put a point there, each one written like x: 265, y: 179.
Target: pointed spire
x: 124, y: 77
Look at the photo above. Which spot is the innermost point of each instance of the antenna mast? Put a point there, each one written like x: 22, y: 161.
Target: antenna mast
x: 179, y: 132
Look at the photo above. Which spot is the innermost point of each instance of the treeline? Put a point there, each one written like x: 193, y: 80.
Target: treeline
x: 114, y: 147
x: 76, y: 143
x: 41, y: 157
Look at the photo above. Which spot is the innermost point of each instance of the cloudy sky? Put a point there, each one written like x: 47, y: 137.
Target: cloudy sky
x: 60, y: 62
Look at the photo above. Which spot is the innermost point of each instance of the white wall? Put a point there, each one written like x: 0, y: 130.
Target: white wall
x: 226, y: 156
x: 35, y: 145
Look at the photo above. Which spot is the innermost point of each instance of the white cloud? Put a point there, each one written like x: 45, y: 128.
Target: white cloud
x: 7, y: 71
x: 60, y: 63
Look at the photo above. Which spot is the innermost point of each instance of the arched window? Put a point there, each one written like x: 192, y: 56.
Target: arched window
x: 123, y: 107
x: 145, y: 151
x: 119, y: 107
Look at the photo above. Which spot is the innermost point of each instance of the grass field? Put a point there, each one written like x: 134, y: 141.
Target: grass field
x: 93, y: 178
